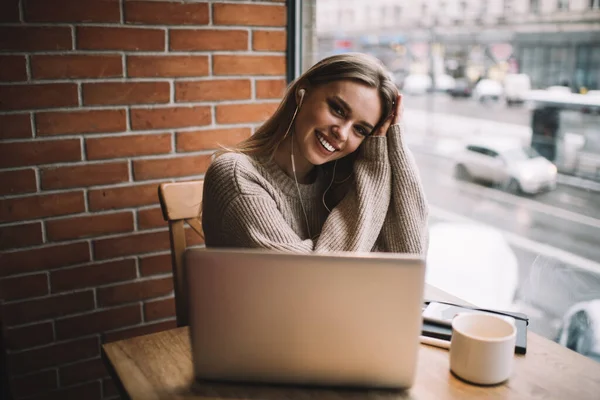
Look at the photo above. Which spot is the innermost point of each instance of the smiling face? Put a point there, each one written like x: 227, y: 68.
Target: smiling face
x: 334, y: 119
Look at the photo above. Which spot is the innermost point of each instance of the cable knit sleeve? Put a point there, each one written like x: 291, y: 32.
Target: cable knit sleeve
x: 405, y: 226
x: 355, y: 223
x: 241, y: 211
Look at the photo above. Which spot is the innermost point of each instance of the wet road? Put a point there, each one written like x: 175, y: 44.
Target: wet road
x: 566, y: 218
x: 555, y: 236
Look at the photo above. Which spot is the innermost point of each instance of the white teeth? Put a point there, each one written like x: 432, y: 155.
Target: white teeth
x: 325, y: 143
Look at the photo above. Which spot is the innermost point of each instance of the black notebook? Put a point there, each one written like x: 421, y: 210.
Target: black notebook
x: 444, y: 332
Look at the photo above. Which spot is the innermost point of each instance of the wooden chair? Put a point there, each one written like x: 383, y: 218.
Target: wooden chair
x: 181, y: 203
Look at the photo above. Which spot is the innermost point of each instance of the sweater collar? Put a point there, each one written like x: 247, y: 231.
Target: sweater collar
x: 287, y: 184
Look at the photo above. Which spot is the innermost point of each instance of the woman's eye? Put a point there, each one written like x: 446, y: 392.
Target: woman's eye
x: 361, y: 131
x: 336, y: 109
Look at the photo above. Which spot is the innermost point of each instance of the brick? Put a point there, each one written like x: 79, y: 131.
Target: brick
x: 213, y: 90
x: 122, y: 197
x: 161, y: 13
x: 72, y: 11
x: 48, y: 307
x: 50, y: 356
x: 150, y: 218
x: 13, y: 68
x: 44, y: 258
x: 134, y: 291
x: 51, y: 95
x: 20, y: 38
x: 128, y: 39
x: 131, y: 244
x: 29, y: 336
x: 139, y: 331
x: 109, y: 389
x: 15, y: 126
x: 24, y: 286
x: 84, y: 175
x: 269, y: 40
x: 159, y: 309
x: 109, y: 93
x: 238, y: 113
x: 171, y: 167
x: 17, y: 182
x: 127, y: 146
x: 155, y: 264
x: 270, y: 88
x: 33, y: 384
x: 76, y: 66
x: 9, y: 11
x: 92, y: 275
x: 248, y: 65
x: 166, y: 66
x: 36, y: 152
x: 170, y: 117
x: 89, y: 225
x: 20, y: 235
x: 39, y: 206
x: 77, y: 122
x: 82, y: 371
x: 249, y: 14
x: 97, y: 322
x: 211, y: 138
x: 87, y: 391
x: 207, y: 40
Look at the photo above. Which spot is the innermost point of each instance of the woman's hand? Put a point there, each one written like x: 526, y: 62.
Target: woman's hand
x: 394, y: 118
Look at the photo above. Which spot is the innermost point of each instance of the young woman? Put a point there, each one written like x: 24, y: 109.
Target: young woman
x: 329, y: 171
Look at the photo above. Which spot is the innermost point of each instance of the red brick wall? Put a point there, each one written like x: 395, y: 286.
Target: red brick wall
x: 100, y: 101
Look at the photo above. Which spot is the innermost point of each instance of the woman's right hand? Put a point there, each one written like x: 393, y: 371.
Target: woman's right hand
x: 393, y: 119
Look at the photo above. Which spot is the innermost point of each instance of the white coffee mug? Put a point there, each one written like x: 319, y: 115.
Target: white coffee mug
x: 482, y: 347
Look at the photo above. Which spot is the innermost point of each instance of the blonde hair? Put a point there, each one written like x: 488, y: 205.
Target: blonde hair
x: 357, y: 67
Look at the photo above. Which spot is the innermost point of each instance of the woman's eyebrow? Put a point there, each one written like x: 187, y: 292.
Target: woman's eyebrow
x: 349, y: 111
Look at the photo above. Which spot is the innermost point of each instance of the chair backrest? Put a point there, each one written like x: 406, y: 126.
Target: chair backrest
x: 181, y: 203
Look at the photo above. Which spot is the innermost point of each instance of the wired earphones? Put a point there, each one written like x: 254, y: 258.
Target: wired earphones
x: 301, y: 93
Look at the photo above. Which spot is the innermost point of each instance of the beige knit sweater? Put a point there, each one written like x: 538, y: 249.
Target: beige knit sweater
x: 252, y: 203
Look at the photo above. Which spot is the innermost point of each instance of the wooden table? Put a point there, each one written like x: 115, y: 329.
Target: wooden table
x: 159, y: 366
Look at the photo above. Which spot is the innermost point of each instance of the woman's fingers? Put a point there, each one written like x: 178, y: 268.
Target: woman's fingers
x: 394, y: 118
x: 384, y: 127
x: 399, y: 110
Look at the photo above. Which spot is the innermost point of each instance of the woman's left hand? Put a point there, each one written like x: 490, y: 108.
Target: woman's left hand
x: 394, y: 118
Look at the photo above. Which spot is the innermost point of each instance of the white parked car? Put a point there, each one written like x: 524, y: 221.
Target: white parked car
x: 516, y: 87
x: 580, y: 329
x: 488, y: 89
x: 474, y: 262
x: 416, y: 84
x: 507, y: 164
x: 444, y: 83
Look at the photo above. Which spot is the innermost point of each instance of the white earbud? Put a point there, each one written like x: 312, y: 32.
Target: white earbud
x: 301, y: 93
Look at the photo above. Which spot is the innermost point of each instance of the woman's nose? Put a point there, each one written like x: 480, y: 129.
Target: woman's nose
x: 341, y: 132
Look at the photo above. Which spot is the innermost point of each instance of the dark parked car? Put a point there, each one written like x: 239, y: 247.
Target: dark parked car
x: 462, y: 88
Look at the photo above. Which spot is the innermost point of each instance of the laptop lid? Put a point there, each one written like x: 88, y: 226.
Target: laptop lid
x: 342, y: 319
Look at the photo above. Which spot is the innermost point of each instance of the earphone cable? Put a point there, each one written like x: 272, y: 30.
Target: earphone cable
x: 298, y: 187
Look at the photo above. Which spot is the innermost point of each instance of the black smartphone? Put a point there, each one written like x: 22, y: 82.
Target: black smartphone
x: 437, y: 321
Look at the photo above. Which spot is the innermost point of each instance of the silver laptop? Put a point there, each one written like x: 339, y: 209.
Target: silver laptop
x: 335, y: 320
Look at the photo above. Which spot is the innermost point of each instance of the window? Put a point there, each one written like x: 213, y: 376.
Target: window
x: 532, y: 172
x: 594, y: 4
x: 397, y: 13
x: 563, y: 5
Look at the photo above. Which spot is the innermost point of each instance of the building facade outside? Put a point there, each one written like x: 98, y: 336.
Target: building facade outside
x: 555, y: 42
